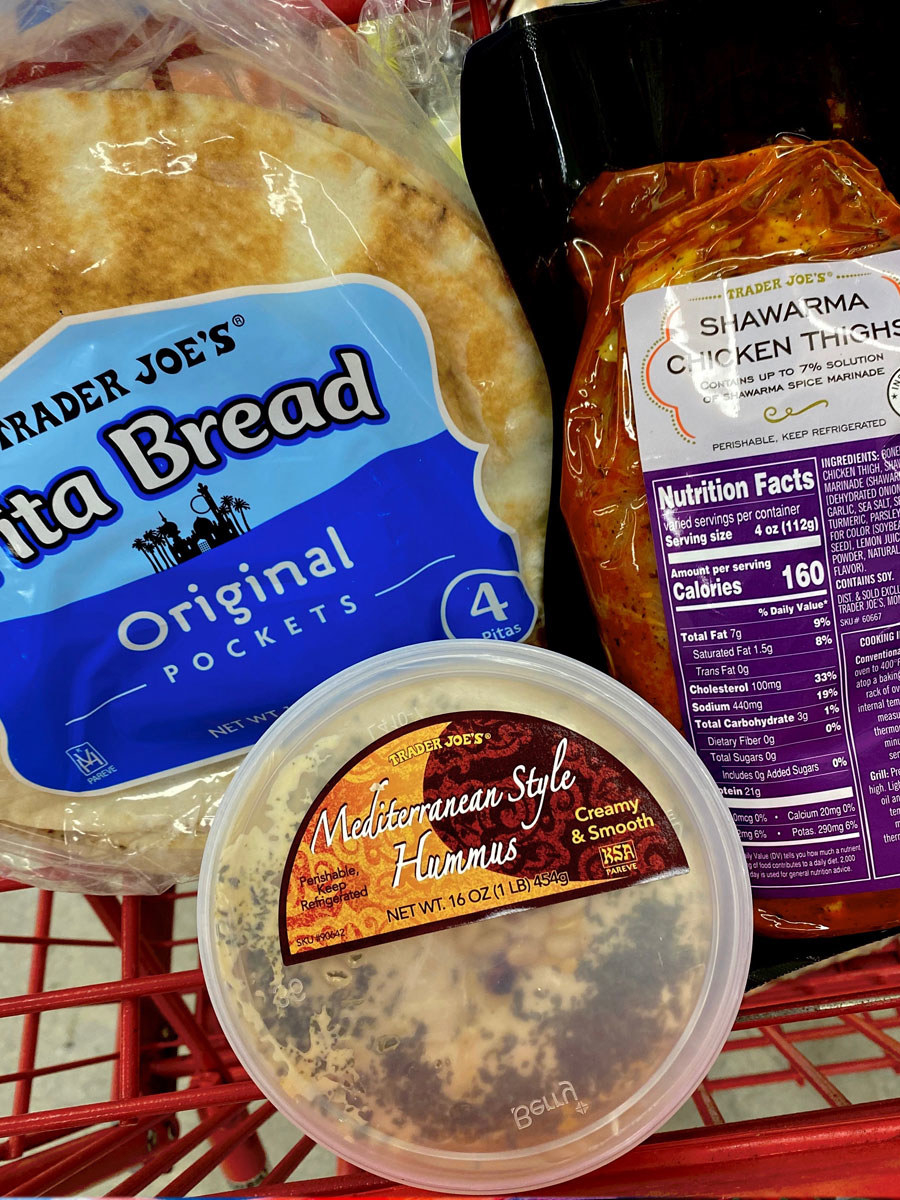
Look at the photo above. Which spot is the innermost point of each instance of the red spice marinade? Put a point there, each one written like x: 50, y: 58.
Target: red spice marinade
x: 683, y: 223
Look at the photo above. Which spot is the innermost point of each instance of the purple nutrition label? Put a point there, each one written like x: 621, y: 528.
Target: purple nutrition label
x: 771, y: 452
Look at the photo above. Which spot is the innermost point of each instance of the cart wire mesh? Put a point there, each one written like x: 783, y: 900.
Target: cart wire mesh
x: 167, y: 1059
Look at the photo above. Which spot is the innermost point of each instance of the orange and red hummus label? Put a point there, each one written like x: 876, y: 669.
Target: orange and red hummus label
x: 459, y: 816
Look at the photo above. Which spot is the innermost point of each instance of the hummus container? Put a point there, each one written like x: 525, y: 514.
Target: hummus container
x: 474, y: 917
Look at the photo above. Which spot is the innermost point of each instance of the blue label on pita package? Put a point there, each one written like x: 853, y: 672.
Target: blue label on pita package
x: 208, y: 506
x: 30, y: 13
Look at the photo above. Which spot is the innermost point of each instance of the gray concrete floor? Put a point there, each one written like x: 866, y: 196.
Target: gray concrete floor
x: 86, y: 1032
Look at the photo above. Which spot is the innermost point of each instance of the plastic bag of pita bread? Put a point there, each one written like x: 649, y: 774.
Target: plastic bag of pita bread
x: 267, y: 407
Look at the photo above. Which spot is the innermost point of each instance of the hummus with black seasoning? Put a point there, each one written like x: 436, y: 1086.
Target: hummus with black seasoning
x: 517, y: 1048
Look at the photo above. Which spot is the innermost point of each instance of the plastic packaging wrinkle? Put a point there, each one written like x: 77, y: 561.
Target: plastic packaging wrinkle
x: 795, y: 203
x: 640, y: 96
x: 246, y: 292
x: 405, y: 941
x: 300, y: 58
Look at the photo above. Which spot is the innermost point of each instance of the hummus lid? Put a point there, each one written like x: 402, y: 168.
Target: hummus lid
x: 474, y: 917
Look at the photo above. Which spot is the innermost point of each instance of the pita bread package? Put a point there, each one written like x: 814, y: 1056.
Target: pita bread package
x: 268, y: 406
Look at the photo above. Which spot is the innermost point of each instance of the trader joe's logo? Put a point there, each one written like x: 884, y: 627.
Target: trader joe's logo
x: 459, y: 817
x: 761, y: 347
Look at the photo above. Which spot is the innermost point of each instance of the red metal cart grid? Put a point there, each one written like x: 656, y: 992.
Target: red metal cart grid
x: 167, y: 1056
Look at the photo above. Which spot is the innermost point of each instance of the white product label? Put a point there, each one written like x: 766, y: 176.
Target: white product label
x: 768, y: 410
x: 753, y: 364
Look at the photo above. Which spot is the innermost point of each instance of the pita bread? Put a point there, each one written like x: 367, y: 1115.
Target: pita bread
x: 209, y: 75
x: 391, y: 164
x: 135, y: 197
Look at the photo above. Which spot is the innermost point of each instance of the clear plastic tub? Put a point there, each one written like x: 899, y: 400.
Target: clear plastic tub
x: 569, y: 989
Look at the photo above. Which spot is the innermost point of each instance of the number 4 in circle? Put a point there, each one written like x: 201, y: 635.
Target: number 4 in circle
x: 487, y: 604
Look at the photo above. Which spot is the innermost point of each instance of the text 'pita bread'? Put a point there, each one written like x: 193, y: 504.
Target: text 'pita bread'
x: 113, y: 199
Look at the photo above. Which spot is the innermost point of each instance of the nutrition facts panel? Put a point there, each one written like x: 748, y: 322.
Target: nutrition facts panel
x: 777, y: 580
x: 768, y: 409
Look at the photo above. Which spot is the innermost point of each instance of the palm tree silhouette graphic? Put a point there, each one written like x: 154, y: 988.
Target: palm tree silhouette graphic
x: 240, y: 506
x: 160, y: 541
x: 216, y: 523
x: 140, y: 543
x: 150, y: 544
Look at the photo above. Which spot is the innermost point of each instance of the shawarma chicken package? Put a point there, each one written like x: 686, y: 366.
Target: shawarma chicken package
x: 268, y: 406
x: 721, y: 186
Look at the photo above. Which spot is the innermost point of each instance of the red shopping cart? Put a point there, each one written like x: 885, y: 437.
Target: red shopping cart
x: 166, y: 1104
x: 819, y: 1039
